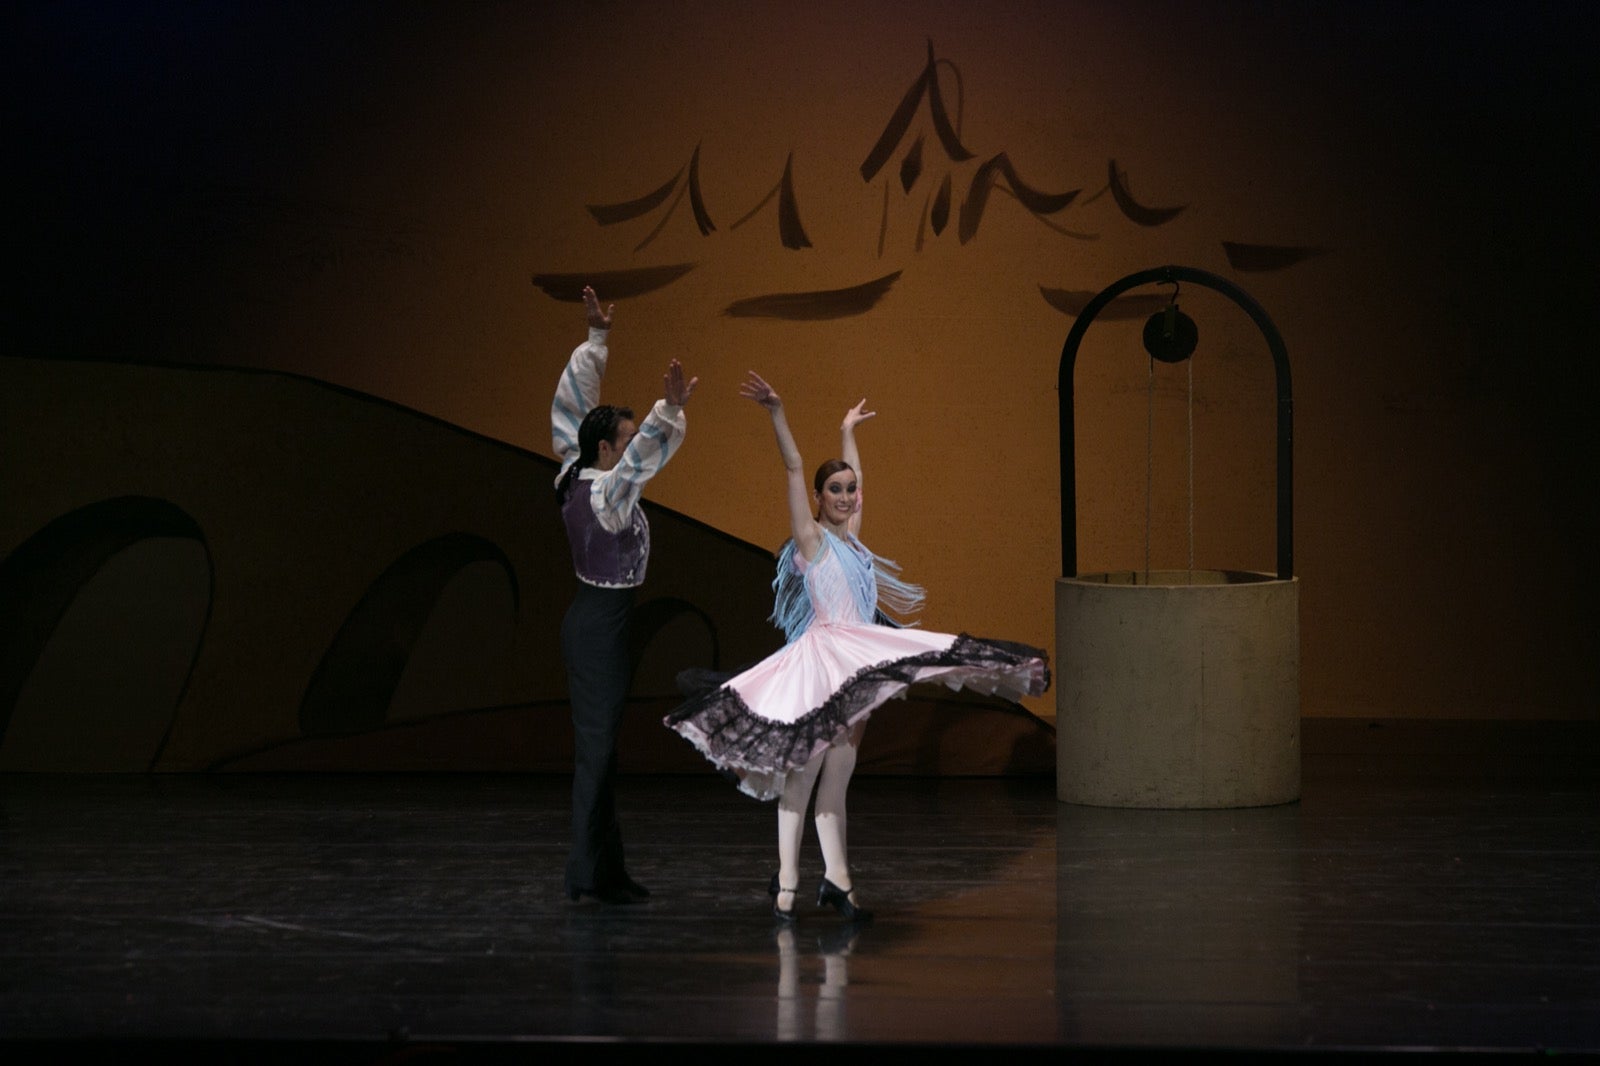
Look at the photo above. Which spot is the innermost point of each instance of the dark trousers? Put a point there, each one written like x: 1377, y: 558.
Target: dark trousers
x: 594, y: 644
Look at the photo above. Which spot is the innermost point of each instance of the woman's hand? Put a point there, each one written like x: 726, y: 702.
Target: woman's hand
x: 856, y: 416
x: 753, y: 388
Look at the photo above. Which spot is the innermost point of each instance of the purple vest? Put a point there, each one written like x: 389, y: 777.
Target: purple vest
x: 601, y: 557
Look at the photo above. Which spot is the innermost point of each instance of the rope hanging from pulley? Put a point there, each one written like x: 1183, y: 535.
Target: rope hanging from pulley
x: 1170, y: 336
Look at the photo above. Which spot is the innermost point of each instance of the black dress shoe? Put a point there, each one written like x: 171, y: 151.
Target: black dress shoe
x: 831, y: 895
x: 778, y: 912
x: 634, y: 888
x: 613, y: 895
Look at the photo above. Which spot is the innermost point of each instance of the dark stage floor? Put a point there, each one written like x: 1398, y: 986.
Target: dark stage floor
x: 1404, y: 904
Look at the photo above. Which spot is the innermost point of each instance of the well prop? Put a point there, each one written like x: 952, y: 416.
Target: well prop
x: 1177, y: 688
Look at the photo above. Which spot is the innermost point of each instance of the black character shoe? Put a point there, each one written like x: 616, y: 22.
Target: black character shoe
x: 778, y: 912
x: 831, y: 895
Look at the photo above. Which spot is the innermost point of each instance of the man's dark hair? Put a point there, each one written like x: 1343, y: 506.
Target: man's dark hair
x: 600, y: 424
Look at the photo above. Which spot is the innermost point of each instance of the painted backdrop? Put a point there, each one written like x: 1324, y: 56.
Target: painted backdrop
x: 906, y: 202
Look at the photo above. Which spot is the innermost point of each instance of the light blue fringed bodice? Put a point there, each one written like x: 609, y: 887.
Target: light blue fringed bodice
x: 846, y: 583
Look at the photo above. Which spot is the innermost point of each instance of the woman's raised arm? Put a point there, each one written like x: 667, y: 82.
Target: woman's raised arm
x: 850, y: 453
x: 802, y: 524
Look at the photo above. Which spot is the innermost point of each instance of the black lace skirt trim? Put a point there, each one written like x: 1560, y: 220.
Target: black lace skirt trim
x: 727, y: 732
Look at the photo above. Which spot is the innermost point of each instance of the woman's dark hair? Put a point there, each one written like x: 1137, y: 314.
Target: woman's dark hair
x: 827, y: 470
x: 600, y: 424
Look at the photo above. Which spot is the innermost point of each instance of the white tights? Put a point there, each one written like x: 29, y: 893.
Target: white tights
x: 829, y: 773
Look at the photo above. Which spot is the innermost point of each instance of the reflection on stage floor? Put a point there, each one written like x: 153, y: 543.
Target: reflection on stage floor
x: 1394, y: 907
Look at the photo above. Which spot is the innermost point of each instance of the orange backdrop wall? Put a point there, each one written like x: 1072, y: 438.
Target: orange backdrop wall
x: 397, y: 200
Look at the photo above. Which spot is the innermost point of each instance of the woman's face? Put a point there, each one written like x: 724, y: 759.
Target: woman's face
x: 838, y: 499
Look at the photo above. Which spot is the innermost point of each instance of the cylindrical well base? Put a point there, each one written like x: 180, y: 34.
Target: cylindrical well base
x: 1177, y: 689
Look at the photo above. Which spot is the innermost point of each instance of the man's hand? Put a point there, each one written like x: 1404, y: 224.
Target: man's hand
x: 675, y: 390
x: 597, y: 319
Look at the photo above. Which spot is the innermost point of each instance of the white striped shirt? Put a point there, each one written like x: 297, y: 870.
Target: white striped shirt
x: 612, y: 493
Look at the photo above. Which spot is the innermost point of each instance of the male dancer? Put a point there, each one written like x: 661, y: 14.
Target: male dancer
x: 605, y: 461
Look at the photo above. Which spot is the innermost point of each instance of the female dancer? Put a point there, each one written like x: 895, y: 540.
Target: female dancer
x: 793, y: 721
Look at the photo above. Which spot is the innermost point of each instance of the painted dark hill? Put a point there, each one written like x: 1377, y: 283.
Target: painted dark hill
x: 221, y: 569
